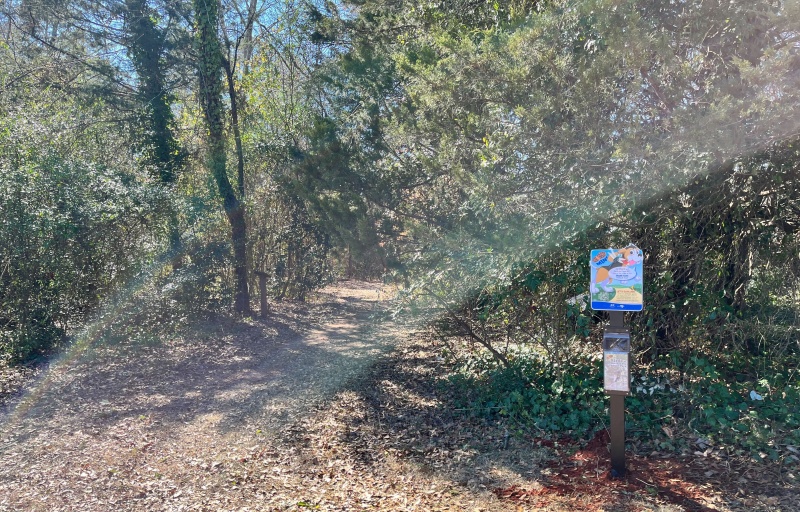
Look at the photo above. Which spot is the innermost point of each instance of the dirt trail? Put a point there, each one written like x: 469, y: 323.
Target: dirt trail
x: 168, y: 425
x: 323, y: 406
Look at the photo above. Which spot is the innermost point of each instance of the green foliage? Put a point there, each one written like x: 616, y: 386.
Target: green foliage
x: 709, y: 398
x: 202, y: 281
x: 535, y: 393
x: 288, y: 244
x: 67, y: 238
x: 297, y: 258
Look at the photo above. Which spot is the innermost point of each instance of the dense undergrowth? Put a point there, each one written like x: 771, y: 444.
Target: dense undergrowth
x: 678, y: 403
x: 714, y: 366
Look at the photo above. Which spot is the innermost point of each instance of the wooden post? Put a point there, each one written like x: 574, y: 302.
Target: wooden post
x: 617, y: 435
x: 262, y: 288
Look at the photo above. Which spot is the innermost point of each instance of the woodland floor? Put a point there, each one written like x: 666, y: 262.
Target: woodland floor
x: 323, y: 406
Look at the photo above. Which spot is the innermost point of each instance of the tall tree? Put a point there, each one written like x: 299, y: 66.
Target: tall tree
x: 147, y: 46
x: 233, y: 37
x: 162, y: 153
x: 210, y: 69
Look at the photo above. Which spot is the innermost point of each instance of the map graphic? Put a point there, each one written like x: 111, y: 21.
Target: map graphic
x: 615, y: 371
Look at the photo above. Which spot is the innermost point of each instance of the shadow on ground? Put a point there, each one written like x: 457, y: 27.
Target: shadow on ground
x: 404, y: 408
x: 233, y: 369
x: 319, y: 405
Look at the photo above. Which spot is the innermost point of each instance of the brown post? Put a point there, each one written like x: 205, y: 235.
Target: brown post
x: 617, y: 435
x: 262, y: 288
x: 617, y: 413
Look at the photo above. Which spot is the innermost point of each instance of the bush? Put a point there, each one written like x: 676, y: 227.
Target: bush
x: 534, y: 393
x: 202, y: 281
x: 719, y: 398
x: 674, y: 401
x: 71, y: 232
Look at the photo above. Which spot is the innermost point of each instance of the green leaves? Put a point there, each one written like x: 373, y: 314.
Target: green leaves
x: 569, y: 405
x: 71, y: 231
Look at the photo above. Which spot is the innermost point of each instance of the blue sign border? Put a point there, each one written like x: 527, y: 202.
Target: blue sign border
x: 604, y: 261
x: 612, y: 306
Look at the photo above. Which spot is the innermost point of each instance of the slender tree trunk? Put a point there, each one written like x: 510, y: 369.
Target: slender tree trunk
x: 247, y: 38
x: 237, y: 135
x: 210, y: 63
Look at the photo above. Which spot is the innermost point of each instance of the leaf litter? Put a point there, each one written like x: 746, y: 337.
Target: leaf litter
x: 317, y: 408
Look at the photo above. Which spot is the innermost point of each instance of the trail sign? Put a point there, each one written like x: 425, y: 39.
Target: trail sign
x: 616, y: 279
x: 616, y: 285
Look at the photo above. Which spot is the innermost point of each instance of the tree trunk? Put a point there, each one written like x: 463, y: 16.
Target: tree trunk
x: 162, y: 153
x: 262, y: 288
x: 247, y: 46
x: 237, y: 135
x: 209, y: 65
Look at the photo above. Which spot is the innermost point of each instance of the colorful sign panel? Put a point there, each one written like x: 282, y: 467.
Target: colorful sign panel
x: 617, y: 279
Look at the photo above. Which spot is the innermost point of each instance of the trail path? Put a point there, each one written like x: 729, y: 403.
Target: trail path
x: 208, y: 420
x: 323, y: 406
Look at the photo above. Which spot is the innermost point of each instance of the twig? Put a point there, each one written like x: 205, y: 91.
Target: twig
x: 647, y: 483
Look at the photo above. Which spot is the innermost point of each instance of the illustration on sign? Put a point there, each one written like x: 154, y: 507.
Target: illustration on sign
x: 615, y: 372
x: 617, y: 279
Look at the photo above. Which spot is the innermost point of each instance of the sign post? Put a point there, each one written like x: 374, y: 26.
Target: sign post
x: 262, y: 288
x: 616, y: 286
